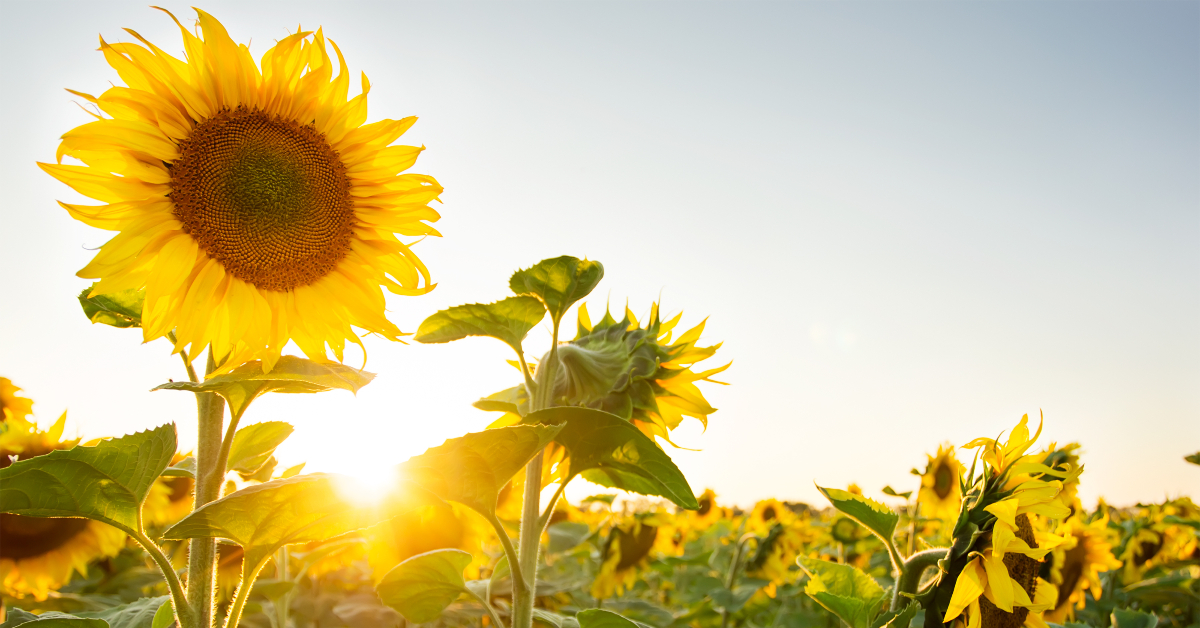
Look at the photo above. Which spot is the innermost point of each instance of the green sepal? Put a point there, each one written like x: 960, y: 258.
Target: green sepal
x: 120, y: 309
x: 107, y: 482
x: 421, y: 587
x: 507, y: 320
x: 291, y: 374
x: 610, y: 451
x: 558, y: 282
x: 843, y: 590
x: 253, y: 445
x: 874, y: 516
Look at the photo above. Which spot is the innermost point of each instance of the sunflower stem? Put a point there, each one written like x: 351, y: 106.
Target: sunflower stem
x: 909, y: 577
x: 178, y: 597
x: 202, y: 555
x: 544, y: 520
x: 187, y: 360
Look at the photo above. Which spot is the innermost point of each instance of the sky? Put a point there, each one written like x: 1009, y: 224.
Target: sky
x: 910, y: 223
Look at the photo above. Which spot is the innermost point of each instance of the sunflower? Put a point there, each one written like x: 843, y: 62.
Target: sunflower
x: 170, y: 498
x: 766, y: 514
x: 625, y: 554
x: 1076, y: 564
x: 940, y: 494
x: 446, y: 526
x: 40, y: 554
x: 12, y: 404
x: 1157, y: 541
x: 251, y: 202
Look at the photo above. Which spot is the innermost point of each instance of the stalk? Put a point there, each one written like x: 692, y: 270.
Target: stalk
x: 909, y: 577
x: 202, y: 553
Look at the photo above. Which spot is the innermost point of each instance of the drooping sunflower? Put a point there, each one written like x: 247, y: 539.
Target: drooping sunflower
x: 251, y: 201
x: 940, y: 493
x: 40, y: 554
x: 446, y: 526
x: 1076, y: 564
x: 625, y: 554
x: 12, y: 404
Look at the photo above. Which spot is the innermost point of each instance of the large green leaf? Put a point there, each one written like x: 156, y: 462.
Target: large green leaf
x: 52, y: 619
x: 472, y: 469
x: 514, y: 400
x: 137, y: 614
x: 610, y: 451
x: 508, y: 320
x: 119, y: 309
x: 874, y: 516
x: 301, y: 509
x: 843, y: 590
x: 253, y: 445
x: 107, y: 482
x: 421, y: 587
x: 290, y: 375
x: 559, y: 282
x: 1129, y: 618
x: 600, y: 618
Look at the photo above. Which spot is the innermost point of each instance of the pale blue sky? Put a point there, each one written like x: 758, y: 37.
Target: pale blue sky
x: 909, y: 222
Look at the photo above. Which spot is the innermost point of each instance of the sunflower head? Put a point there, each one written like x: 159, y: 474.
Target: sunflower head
x: 1076, y: 564
x: 941, y: 491
x: 251, y: 203
x: 12, y: 404
x: 626, y: 551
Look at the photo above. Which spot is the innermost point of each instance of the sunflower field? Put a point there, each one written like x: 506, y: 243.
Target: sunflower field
x: 256, y: 211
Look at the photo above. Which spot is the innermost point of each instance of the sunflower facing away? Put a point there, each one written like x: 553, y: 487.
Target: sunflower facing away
x: 251, y: 202
x: 940, y: 494
x: 40, y: 554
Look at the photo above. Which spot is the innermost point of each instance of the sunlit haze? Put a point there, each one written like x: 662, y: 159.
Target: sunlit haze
x: 909, y: 223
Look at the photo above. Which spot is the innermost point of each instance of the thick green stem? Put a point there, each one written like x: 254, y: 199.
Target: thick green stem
x: 510, y: 552
x: 179, y: 599
x: 202, y: 555
x: 909, y: 577
x: 544, y: 520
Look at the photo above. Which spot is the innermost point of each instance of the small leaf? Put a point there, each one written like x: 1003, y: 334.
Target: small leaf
x: 1193, y: 458
x: 887, y: 490
x: 254, y: 444
x: 421, y: 587
x: 107, y: 482
x: 291, y: 374
x: 499, y: 573
x: 119, y: 309
x: 554, y: 620
x: 137, y: 614
x: 314, y: 507
x: 559, y: 282
x: 514, y: 400
x: 567, y: 535
x: 164, y: 616
x: 843, y: 590
x: 897, y: 619
x: 1129, y: 618
x: 508, y: 320
x: 610, y: 451
x: 600, y: 618
x: 184, y: 468
x: 472, y: 469
x: 51, y: 619
x: 873, y: 515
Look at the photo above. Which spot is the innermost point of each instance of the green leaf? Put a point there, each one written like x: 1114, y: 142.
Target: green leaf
x: 897, y: 619
x: 164, y: 616
x: 732, y: 601
x: 421, y: 587
x: 843, y: 590
x: 51, y: 619
x: 314, y: 507
x: 291, y: 375
x: 272, y: 588
x: 499, y: 573
x: 873, y: 515
x: 1129, y: 618
x: 554, y: 619
x: 254, y: 444
x: 119, y: 309
x: 472, y: 469
x: 567, y: 535
x: 887, y: 490
x: 514, y: 400
x: 508, y: 320
x: 137, y: 614
x: 610, y: 451
x: 107, y: 482
x: 1193, y: 458
x: 600, y: 618
x: 559, y: 282
x: 185, y: 468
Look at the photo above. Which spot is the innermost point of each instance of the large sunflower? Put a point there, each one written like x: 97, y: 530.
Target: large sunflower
x: 251, y: 202
x: 940, y: 494
x: 12, y: 404
x: 40, y: 554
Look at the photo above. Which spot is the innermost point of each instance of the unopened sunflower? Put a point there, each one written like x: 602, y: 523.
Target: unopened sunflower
x: 12, y: 404
x: 940, y: 494
x: 250, y: 200
x: 40, y: 554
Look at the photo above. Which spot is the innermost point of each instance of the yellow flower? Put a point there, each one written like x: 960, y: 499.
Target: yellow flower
x: 12, y: 404
x: 251, y: 202
x: 941, y: 494
x: 170, y: 498
x: 1158, y: 542
x: 40, y: 554
x: 1076, y: 564
x: 765, y: 514
x: 447, y: 526
x: 625, y: 554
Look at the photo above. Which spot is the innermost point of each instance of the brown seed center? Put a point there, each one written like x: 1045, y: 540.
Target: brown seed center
x: 266, y: 197
x: 25, y: 537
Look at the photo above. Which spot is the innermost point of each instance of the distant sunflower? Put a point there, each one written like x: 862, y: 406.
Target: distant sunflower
x: 40, y: 554
x: 1157, y: 541
x: 170, y: 498
x: 12, y: 404
x: 625, y: 554
x: 1076, y: 564
x: 252, y: 205
x: 447, y: 526
x: 941, y: 494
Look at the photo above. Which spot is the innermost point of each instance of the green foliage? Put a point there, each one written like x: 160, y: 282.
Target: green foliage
x: 119, y: 309
x: 291, y: 375
x: 1129, y: 618
x: 137, y: 614
x: 600, y: 618
x: 1193, y: 458
x: 843, y: 590
x: 558, y: 282
x: 508, y: 320
x: 897, y: 619
x: 515, y: 400
x: 107, y: 482
x: 421, y: 587
x: 253, y: 445
x: 566, y: 535
x: 52, y: 619
x: 610, y: 451
x: 874, y: 516
x: 185, y: 468
x: 472, y: 469
x: 305, y: 508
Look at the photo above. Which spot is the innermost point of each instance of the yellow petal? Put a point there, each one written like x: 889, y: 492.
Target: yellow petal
x: 967, y: 588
